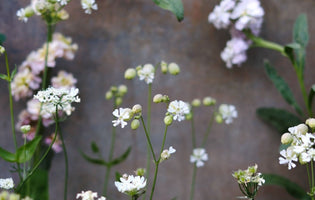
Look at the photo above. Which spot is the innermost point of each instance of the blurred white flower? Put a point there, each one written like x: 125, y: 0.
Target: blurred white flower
x: 88, y: 5
x: 130, y: 184
x: 228, y: 112
x: 63, y: 80
x: 220, y: 17
x: 89, y: 195
x: 166, y: 153
x: 146, y: 73
x: 178, y: 109
x: 235, y: 52
x: 122, y: 114
x: 6, y: 183
x: 199, y: 156
x: 22, y: 15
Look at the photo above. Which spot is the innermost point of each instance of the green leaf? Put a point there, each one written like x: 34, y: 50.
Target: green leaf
x: 300, y: 30
x: 13, y: 73
x: 289, y: 50
x: 175, y: 6
x: 282, y: 87
x: 2, y: 38
x: 278, y: 118
x: 121, y: 158
x: 118, y: 176
x: 292, y: 188
x: 311, y: 96
x: 26, y: 152
x: 96, y: 161
x: 4, y: 77
x: 7, y: 156
x: 94, y: 147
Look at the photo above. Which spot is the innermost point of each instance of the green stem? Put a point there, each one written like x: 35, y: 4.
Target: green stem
x: 308, y: 176
x: 163, y: 142
x: 148, y: 139
x: 205, y: 138
x: 154, y: 180
x: 66, y: 164
x: 259, y: 42
x: 24, y: 165
x: 299, y: 74
x: 193, y: 134
x: 193, y: 183
x: 312, y: 174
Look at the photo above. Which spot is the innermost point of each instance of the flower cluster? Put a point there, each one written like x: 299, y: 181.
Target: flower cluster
x: 227, y: 113
x: 301, y: 145
x: 5, y: 195
x: 131, y: 185
x: 28, y: 78
x: 56, y: 145
x: 53, y: 9
x: 240, y: 16
x: 89, y: 195
x: 6, y: 183
x: 63, y: 80
x: 178, y: 109
x: 199, y: 156
x: 117, y: 93
x: 126, y: 114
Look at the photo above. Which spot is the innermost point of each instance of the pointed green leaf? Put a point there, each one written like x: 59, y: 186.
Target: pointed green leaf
x: 26, y: 152
x: 118, y: 176
x: 94, y: 160
x: 278, y: 118
x: 289, y: 50
x: 282, y: 87
x: 121, y: 158
x: 4, y: 77
x: 7, y: 156
x: 292, y: 188
x: 300, y: 30
x: 311, y: 96
x: 13, y: 73
x: 175, y: 6
x: 2, y: 38
x: 94, y: 147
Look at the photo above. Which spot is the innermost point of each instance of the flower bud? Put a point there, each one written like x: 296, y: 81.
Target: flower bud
x: 163, y: 67
x: 302, y: 128
x: 122, y: 89
x: 218, y: 119
x: 113, y: 89
x: 165, y: 99
x: 118, y: 101
x: 130, y: 73
x: 173, y: 69
x: 130, y: 114
x: 2, y: 50
x: 302, y: 159
x: 135, y: 124
x: 25, y: 129
x: 137, y: 109
x: 286, y: 138
x: 310, y: 122
x: 158, y: 98
x: 165, y: 155
x: 189, y: 116
x: 168, y: 120
x: 208, y: 101
x: 196, y: 102
x: 63, y: 14
x: 29, y: 12
x: 108, y: 95
x: 140, y: 172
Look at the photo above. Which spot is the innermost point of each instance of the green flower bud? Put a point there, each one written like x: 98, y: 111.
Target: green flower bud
x: 25, y: 129
x: 196, y: 102
x: 118, y: 101
x: 168, y: 120
x: 137, y: 109
x: 63, y: 14
x: 158, y: 98
x: 122, y: 89
x: 114, y: 89
x: 286, y: 138
x: 173, y: 69
x: 189, y: 116
x: 2, y: 50
x: 165, y: 99
x: 218, y: 119
x: 130, y: 114
x: 140, y: 172
x: 163, y: 67
x: 208, y: 101
x: 135, y: 124
x: 108, y: 95
x: 310, y: 122
x: 29, y: 12
x: 130, y: 73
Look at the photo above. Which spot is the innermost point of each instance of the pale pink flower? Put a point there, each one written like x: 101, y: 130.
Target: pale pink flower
x: 63, y: 80
x: 57, y: 144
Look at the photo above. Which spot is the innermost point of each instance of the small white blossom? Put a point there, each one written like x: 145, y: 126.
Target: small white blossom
x: 228, y: 112
x: 220, y: 17
x: 88, y: 5
x: 130, y: 184
x: 122, y: 115
x: 235, y: 52
x: 178, y: 109
x: 6, y: 183
x: 146, y: 73
x: 63, y: 2
x: 22, y: 15
x: 89, y: 195
x: 166, y: 153
x: 288, y: 157
x: 199, y: 156
x: 249, y: 175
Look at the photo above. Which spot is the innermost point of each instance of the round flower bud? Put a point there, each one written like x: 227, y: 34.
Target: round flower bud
x: 286, y: 138
x: 218, y: 119
x: 189, y: 116
x: 310, y: 122
x: 122, y: 89
x: 208, y: 101
x: 29, y: 12
x: 196, y: 102
x: 163, y: 67
x: 113, y: 89
x: 165, y: 99
x: 140, y: 172
x: 2, y: 50
x: 63, y: 14
x: 118, y: 101
x: 130, y: 114
x: 130, y: 73
x: 302, y: 128
x: 165, y: 155
x: 168, y: 120
x: 137, y: 109
x: 173, y: 69
x: 108, y: 95
x: 25, y: 129
x: 135, y: 124
x: 158, y: 98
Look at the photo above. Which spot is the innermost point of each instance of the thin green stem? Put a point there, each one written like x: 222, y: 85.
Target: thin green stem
x: 308, y: 176
x: 163, y: 142
x: 299, y: 74
x: 24, y: 165
x: 259, y: 42
x: 66, y: 165
x: 205, y: 138
x: 312, y: 174
x: 154, y: 180
x: 193, y: 183
x: 193, y: 134
x: 148, y: 139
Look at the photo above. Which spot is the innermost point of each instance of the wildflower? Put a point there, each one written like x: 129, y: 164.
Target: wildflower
x: 208, y: 101
x: 135, y: 124
x: 168, y: 120
x: 178, y: 109
x: 57, y: 144
x: 88, y: 6
x: 22, y: 15
x: 6, y: 183
x: 298, y: 130
x: 173, y: 68
x: 199, y: 156
x: 137, y: 109
x: 25, y: 128
x: 310, y: 122
x: 166, y: 153
x: 235, y: 52
x: 140, y: 172
x: 2, y: 50
x: 122, y: 115
x: 288, y: 157
x: 131, y: 185
x: 286, y: 138
x: 196, y: 102
x: 146, y: 73
x: 89, y: 195
x: 163, y: 67
x: 63, y: 80
x: 228, y: 112
x: 158, y: 98
x: 220, y: 17
x: 130, y: 73
x: 63, y: 2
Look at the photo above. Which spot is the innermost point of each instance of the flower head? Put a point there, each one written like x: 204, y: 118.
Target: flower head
x: 235, y: 52
x: 89, y: 195
x: 178, y: 109
x: 199, y: 156
x: 220, y: 17
x: 166, y: 153
x: 57, y: 144
x: 122, y: 114
x: 228, y: 112
x: 131, y: 185
x: 146, y: 73
x: 63, y: 80
x: 288, y: 157
x: 6, y: 183
x: 88, y: 6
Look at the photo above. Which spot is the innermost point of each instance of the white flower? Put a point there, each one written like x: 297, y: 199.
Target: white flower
x: 178, y: 109
x: 6, y: 183
x: 146, y: 73
x: 166, y: 154
x: 63, y: 80
x: 235, y: 52
x: 288, y: 157
x: 122, y: 114
x: 220, y: 17
x: 89, y: 195
x: 228, y: 112
x: 130, y: 184
x: 199, y: 156
x: 22, y: 15
x: 88, y: 5
x: 63, y: 2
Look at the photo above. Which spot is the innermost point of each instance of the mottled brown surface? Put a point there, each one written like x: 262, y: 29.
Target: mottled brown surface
x: 126, y: 33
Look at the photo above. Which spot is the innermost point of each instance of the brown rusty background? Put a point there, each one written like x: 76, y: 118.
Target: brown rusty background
x: 126, y: 33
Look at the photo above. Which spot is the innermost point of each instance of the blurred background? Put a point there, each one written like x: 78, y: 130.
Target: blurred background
x: 127, y: 33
